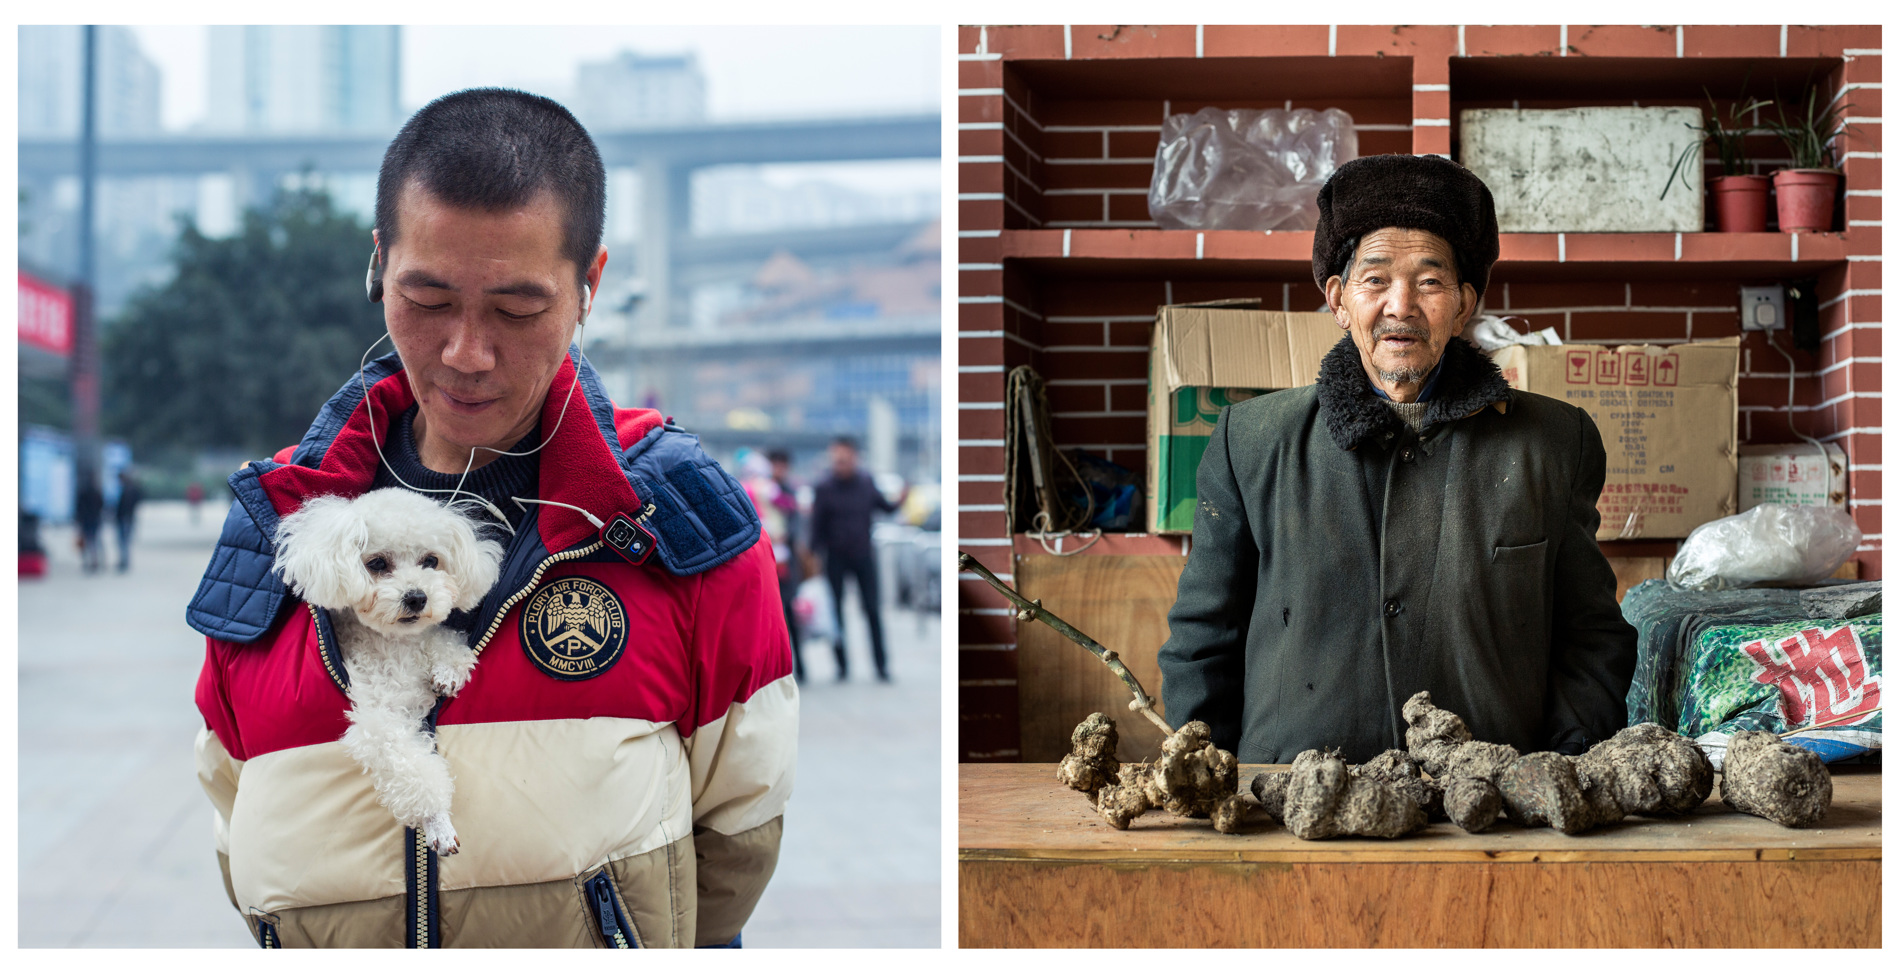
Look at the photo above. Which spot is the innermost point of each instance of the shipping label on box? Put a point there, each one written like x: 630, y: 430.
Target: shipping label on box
x: 1792, y: 474
x: 1667, y: 418
x: 1202, y: 360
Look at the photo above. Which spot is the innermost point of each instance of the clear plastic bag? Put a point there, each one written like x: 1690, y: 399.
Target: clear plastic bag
x: 1773, y: 545
x: 1244, y: 169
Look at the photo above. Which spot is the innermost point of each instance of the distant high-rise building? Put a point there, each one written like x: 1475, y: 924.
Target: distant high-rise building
x: 50, y: 59
x: 305, y: 79
x: 634, y: 91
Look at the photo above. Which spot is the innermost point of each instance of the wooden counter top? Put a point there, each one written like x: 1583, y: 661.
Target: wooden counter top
x: 1037, y: 867
x: 1019, y: 812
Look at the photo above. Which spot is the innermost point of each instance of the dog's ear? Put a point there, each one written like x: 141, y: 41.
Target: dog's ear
x: 320, y: 552
x: 475, y: 562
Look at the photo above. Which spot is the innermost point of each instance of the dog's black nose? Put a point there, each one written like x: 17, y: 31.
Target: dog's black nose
x: 414, y: 601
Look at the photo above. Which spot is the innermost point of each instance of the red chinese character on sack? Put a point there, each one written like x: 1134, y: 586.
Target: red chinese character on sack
x: 1821, y: 675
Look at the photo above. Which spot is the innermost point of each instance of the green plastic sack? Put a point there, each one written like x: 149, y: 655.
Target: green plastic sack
x: 1783, y: 676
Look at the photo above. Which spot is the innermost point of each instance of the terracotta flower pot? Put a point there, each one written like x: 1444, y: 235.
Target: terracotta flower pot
x: 1804, y: 199
x: 1741, y: 203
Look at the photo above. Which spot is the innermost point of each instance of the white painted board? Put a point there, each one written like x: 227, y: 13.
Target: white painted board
x: 1586, y: 170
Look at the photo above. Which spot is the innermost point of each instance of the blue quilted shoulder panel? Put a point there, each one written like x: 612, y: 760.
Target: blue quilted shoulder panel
x: 702, y: 517
x: 240, y: 595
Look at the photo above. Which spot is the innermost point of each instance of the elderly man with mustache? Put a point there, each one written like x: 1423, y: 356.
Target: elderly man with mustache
x: 1408, y: 523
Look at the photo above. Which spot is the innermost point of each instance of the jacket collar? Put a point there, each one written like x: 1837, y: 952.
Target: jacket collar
x: 583, y: 463
x: 1468, y: 382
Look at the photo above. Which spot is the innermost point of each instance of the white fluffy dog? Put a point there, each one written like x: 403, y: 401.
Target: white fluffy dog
x: 389, y: 566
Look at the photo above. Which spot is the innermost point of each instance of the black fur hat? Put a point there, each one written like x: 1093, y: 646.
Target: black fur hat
x: 1425, y: 192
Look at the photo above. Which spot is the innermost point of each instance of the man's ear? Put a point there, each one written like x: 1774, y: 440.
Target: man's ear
x: 595, y: 270
x: 1468, y: 297
x: 1335, y: 298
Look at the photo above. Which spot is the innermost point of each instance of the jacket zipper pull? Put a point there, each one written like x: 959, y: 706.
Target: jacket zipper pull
x: 604, y: 906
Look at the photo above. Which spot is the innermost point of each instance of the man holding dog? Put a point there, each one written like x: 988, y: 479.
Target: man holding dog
x: 1407, y: 523
x: 619, y: 781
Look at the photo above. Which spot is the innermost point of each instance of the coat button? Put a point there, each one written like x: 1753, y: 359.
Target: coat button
x: 1392, y: 609
x: 1406, y: 454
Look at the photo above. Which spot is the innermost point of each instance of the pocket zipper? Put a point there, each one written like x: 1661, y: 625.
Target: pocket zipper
x: 613, y: 921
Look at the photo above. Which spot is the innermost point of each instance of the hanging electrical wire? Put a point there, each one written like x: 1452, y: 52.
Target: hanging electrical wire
x: 1827, y: 464
x: 1029, y: 440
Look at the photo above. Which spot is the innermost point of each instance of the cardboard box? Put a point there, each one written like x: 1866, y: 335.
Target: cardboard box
x: 1203, y: 358
x: 1586, y: 170
x: 1667, y: 417
x: 1792, y: 474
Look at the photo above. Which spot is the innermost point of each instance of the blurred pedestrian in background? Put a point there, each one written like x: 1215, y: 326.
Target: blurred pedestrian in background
x: 841, y: 512
x: 125, y: 515
x: 89, y: 510
x: 195, y: 496
x: 789, y: 545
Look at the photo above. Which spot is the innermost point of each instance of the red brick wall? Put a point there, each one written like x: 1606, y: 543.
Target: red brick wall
x: 1038, y: 152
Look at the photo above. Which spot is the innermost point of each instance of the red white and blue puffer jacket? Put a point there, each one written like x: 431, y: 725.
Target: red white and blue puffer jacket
x: 628, y: 795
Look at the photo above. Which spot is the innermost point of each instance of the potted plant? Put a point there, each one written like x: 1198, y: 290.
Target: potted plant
x: 1741, y: 200
x: 1804, y: 192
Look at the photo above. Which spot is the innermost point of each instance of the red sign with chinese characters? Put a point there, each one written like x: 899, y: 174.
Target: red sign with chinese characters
x: 46, y: 315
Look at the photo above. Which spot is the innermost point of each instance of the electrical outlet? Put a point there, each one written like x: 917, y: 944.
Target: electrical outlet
x: 1764, y: 308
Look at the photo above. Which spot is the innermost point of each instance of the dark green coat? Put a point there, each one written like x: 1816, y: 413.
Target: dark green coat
x: 1341, y: 563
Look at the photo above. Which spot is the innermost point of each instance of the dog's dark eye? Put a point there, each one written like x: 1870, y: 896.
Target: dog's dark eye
x: 429, y: 561
x: 377, y: 565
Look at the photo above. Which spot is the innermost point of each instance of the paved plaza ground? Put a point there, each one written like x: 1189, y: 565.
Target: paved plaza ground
x: 115, y: 835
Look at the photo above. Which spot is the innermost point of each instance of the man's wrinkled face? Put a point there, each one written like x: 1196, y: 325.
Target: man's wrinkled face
x: 482, y: 306
x: 1402, y: 303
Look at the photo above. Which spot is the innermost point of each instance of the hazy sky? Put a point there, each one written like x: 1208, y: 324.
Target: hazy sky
x: 751, y: 72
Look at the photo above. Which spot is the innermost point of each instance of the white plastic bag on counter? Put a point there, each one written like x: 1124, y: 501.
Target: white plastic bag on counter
x: 1491, y: 333
x: 1774, y: 545
x: 1244, y: 169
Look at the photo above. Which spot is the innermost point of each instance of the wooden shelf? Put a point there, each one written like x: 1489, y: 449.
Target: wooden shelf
x: 1220, y: 253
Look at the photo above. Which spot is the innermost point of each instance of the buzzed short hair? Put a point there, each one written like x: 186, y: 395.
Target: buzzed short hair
x: 494, y: 149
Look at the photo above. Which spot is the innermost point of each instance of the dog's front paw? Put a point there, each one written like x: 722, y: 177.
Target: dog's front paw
x: 441, y: 835
x: 451, y: 670
x: 448, y: 679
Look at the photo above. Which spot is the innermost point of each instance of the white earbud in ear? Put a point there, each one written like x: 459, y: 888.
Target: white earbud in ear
x: 587, y: 303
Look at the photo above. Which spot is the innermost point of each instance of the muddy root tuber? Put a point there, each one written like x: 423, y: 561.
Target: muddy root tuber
x: 1231, y: 812
x: 1269, y: 790
x: 1193, y: 775
x: 1650, y: 770
x: 1398, y: 769
x: 1091, y: 763
x: 1472, y: 803
x: 1192, y: 778
x: 1324, y: 799
x: 1543, y: 789
x: 1776, y: 780
x: 1121, y: 803
x: 1440, y: 741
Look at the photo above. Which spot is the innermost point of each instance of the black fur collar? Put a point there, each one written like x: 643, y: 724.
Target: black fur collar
x: 1354, y: 413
